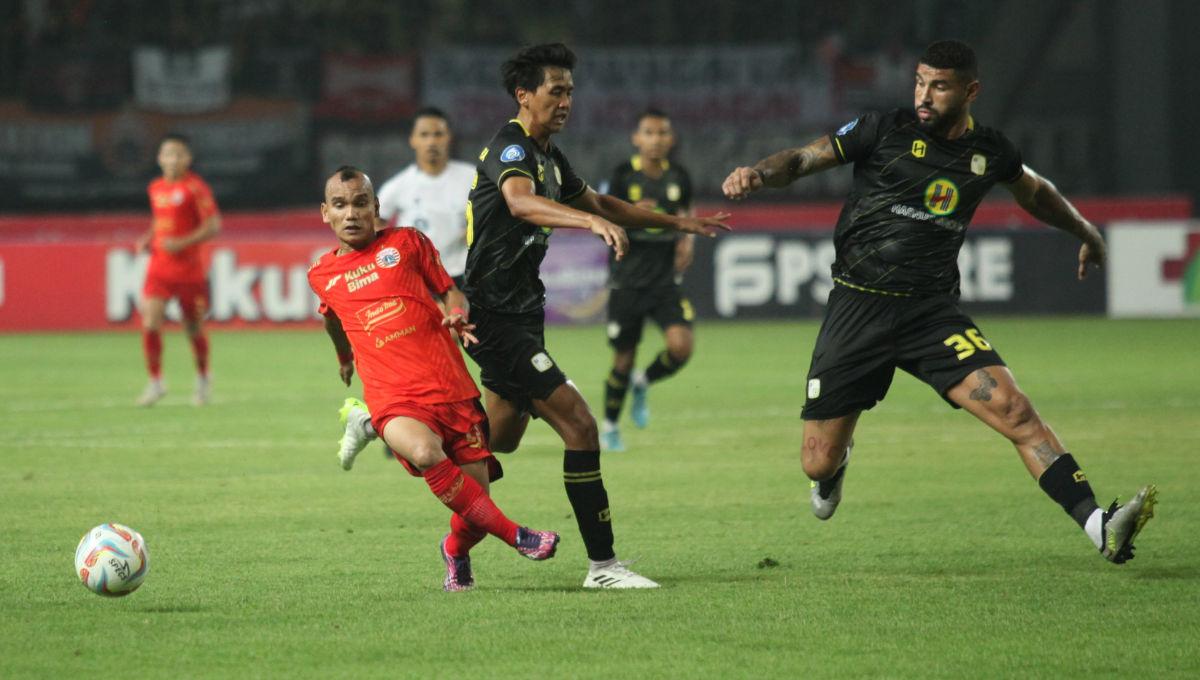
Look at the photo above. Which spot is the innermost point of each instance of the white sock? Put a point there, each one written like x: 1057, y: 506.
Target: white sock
x: 639, y: 379
x: 609, y: 425
x: 596, y: 566
x: 1092, y: 527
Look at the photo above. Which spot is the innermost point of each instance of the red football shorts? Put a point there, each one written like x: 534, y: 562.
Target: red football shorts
x: 462, y: 426
x: 192, y: 295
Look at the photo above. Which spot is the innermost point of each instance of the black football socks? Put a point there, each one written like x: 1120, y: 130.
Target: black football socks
x: 663, y: 366
x: 589, y: 501
x: 1066, y: 484
x: 614, y: 395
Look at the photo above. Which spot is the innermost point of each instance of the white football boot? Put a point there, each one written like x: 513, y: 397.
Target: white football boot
x: 1121, y: 524
x: 155, y: 390
x: 358, y: 432
x: 616, y: 575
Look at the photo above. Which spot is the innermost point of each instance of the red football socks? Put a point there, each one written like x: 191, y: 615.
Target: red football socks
x: 152, y: 347
x: 200, y: 349
x: 465, y: 497
x: 463, y: 536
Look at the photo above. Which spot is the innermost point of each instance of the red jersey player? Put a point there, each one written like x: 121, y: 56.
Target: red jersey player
x: 375, y: 296
x: 185, y: 216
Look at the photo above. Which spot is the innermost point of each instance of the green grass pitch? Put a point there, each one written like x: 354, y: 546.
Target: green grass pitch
x: 267, y: 560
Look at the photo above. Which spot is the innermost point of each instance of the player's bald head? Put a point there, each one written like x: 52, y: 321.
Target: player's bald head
x: 347, y: 174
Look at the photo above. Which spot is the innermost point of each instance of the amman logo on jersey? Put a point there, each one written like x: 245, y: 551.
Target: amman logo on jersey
x: 674, y: 193
x: 941, y: 196
x: 918, y: 149
x: 635, y: 193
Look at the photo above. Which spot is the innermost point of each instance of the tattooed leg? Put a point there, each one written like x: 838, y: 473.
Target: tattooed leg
x: 986, y: 384
x: 992, y: 395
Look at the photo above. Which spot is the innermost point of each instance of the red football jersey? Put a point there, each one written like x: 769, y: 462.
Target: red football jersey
x: 179, y: 207
x: 382, y: 296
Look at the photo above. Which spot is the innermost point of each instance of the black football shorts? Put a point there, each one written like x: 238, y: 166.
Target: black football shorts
x: 512, y: 357
x: 866, y: 336
x: 628, y: 308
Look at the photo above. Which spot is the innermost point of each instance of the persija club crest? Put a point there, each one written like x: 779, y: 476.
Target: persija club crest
x: 387, y: 258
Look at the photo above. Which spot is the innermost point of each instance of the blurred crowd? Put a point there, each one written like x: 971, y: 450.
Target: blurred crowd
x: 263, y: 32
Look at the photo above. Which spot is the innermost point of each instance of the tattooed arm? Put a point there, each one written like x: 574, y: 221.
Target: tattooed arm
x: 781, y: 169
x: 1040, y: 198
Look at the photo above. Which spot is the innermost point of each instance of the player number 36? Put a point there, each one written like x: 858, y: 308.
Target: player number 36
x: 966, y: 344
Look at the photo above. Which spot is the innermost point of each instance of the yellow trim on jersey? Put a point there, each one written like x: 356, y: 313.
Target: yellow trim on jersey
x: 841, y: 151
x: 508, y: 170
x: 523, y: 128
x: 635, y: 162
x: 970, y: 122
x: 577, y: 194
x: 870, y: 290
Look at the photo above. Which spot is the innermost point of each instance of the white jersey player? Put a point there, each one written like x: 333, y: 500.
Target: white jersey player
x: 431, y: 193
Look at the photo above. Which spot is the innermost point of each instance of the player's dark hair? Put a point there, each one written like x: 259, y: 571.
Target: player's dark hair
x: 429, y: 112
x: 348, y: 172
x: 527, y: 68
x: 175, y: 137
x: 952, y: 54
x: 651, y: 112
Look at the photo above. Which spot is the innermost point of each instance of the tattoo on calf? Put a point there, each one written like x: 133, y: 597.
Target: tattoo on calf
x: 986, y: 384
x: 1046, y: 454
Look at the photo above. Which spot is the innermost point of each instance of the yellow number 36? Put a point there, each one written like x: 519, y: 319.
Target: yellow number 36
x: 966, y: 344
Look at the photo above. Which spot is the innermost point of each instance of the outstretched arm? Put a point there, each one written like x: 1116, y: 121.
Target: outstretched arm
x: 781, y: 169
x: 1040, y: 198
x: 523, y: 202
x: 341, y: 345
x: 622, y: 212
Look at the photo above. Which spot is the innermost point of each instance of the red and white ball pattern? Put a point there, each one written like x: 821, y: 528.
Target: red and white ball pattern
x: 111, y: 560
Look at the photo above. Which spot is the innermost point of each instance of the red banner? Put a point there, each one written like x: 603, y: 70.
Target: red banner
x: 89, y: 286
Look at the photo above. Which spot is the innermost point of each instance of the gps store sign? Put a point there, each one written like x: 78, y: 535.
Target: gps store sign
x: 773, y: 275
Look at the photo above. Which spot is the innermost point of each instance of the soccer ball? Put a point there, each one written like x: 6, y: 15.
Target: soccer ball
x: 111, y: 560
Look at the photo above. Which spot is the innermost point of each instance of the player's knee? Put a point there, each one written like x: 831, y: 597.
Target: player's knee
x: 505, y: 442
x: 1016, y: 411
x: 680, y: 354
x: 505, y: 434
x: 818, y: 468
x: 581, y: 428
x: 820, y: 461
x: 424, y: 455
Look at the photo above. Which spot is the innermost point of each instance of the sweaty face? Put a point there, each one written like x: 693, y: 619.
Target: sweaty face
x: 430, y: 139
x: 550, y: 104
x: 654, y: 138
x: 350, y: 209
x: 174, y: 159
x: 940, y: 98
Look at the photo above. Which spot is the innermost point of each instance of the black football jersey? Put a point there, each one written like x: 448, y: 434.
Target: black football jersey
x: 504, y: 254
x: 913, y: 196
x: 650, y: 260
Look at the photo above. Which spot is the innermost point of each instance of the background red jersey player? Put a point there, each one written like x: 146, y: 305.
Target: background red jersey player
x: 185, y: 216
x: 375, y: 296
